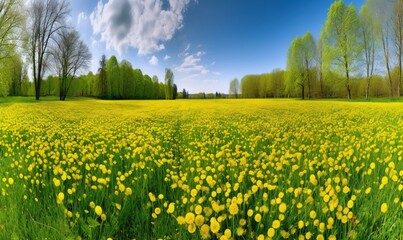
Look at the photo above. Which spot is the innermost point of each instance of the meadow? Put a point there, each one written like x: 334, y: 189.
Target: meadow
x: 201, y: 169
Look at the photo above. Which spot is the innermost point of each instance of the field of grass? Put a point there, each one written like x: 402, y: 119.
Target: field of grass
x: 201, y: 169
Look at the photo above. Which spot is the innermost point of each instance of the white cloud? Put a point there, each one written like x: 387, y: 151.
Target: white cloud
x: 153, y: 60
x: 191, y: 64
x: 144, y: 25
x: 185, y: 52
x: 82, y: 17
x: 167, y: 57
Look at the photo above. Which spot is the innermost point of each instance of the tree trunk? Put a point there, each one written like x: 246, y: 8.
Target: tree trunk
x: 303, y: 91
x: 399, y: 81
x: 386, y: 55
x: 347, y: 79
x: 367, y: 89
x: 38, y: 89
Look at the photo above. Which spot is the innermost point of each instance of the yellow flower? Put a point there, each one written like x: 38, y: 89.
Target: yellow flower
x: 228, y: 233
x: 181, y: 220
x: 205, y: 231
x: 282, y: 207
x: 121, y: 187
x: 233, y: 208
x: 271, y: 232
x: 239, y: 231
x: 275, y: 224
x: 301, y: 224
x: 103, y: 217
x: 332, y: 237
x: 56, y: 182
x: 384, y: 207
x: 198, y: 209
x: 199, y: 220
x: 152, y: 197
x: 258, y: 217
x: 312, y: 214
x: 385, y: 180
x: 350, y: 204
x: 60, y: 197
x: 128, y: 191
x: 189, y: 217
x: 214, y: 225
x: 98, y: 210
x: 171, y: 208
x: 191, y: 228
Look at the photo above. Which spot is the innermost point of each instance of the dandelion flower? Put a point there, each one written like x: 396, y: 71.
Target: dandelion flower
x: 282, y: 207
x: 60, y: 197
x: 384, y: 207
x: 98, y: 210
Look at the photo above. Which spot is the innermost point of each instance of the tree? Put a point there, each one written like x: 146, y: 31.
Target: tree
x: 148, y: 87
x: 367, y: 29
x: 380, y: 10
x: 16, y: 72
x: 10, y: 22
x: 184, y: 94
x: 234, y: 87
x: 309, y: 57
x: 70, y: 55
x: 397, y: 23
x: 296, y: 67
x: 127, y: 76
x: 341, y: 42
x: 169, y: 84
x: 102, y: 84
x: 175, y: 92
x: 47, y: 17
x: 113, y: 78
x: 320, y: 64
x: 156, y: 87
x: 138, y: 83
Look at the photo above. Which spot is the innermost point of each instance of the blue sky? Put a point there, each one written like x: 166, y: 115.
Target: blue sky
x: 206, y: 43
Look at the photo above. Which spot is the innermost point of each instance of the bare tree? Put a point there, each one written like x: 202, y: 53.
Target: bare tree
x: 70, y: 55
x: 47, y: 17
x: 10, y: 21
x: 397, y: 21
x: 367, y: 29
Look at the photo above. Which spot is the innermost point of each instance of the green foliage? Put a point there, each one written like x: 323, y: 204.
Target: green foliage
x: 11, y: 21
x: 127, y: 76
x: 341, y: 42
x: 139, y: 83
x: 113, y: 78
x: 264, y: 85
x: 234, y: 88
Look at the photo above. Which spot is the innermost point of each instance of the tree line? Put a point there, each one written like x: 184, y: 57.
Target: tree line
x: 357, y: 54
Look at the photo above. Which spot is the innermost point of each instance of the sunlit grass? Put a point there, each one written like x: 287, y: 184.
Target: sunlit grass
x: 222, y: 169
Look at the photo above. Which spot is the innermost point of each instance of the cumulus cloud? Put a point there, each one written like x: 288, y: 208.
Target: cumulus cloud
x: 191, y: 64
x: 142, y: 24
x: 82, y: 17
x: 153, y: 60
